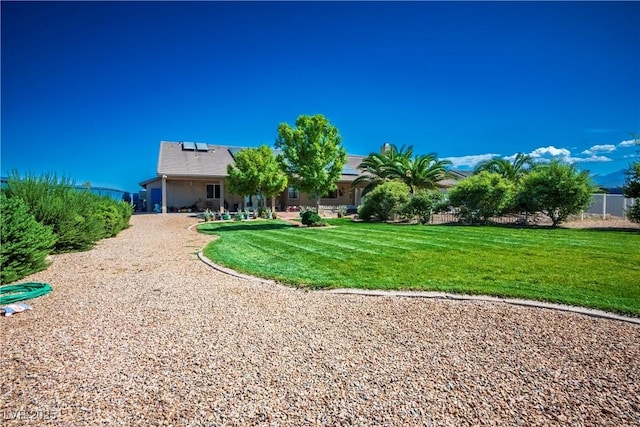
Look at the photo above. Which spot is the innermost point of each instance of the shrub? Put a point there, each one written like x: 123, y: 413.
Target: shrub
x: 78, y: 224
x: 632, y: 190
x: 78, y: 218
x: 25, y: 242
x: 126, y: 210
x: 113, y: 215
x: 482, y: 196
x: 633, y: 213
x: 557, y: 190
x: 385, y: 201
x: 311, y: 218
x: 423, y: 204
x: 110, y: 218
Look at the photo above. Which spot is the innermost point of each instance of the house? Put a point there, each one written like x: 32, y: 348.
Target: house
x: 193, y: 174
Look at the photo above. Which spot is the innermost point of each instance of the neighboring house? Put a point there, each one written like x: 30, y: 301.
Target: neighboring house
x: 455, y: 176
x: 193, y: 174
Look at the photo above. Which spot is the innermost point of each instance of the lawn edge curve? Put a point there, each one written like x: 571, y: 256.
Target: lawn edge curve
x: 436, y: 295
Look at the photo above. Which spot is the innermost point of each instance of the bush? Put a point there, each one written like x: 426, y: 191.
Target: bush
x: 633, y: 213
x: 311, y: 218
x: 126, y: 210
x: 385, y: 201
x: 113, y: 215
x: 25, y: 242
x: 423, y: 204
x: 557, y: 190
x: 482, y: 196
x: 79, y: 218
x: 632, y: 190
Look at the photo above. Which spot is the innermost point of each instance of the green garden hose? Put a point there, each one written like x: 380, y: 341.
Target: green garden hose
x: 23, y: 291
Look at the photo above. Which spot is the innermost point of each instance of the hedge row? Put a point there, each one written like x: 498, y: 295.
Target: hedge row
x: 44, y: 214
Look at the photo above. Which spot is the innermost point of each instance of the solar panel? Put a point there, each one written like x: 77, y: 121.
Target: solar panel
x: 201, y: 146
x: 189, y: 146
x: 349, y: 170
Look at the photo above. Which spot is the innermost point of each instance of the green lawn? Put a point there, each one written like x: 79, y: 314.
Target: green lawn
x: 591, y: 268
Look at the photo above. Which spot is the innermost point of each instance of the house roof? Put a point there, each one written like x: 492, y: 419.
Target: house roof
x: 201, y: 160
x: 178, y: 159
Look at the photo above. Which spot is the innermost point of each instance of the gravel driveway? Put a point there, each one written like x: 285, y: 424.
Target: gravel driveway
x: 138, y: 331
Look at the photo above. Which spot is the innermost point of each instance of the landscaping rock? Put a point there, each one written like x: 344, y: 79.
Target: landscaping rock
x: 139, y: 331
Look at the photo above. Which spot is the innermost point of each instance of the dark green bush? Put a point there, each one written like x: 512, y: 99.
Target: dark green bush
x: 632, y: 190
x: 126, y: 210
x: 110, y: 216
x: 557, y: 190
x: 633, y: 213
x: 79, y: 218
x: 79, y: 225
x: 114, y: 215
x: 311, y: 218
x: 423, y: 204
x: 385, y: 201
x: 482, y: 195
x: 25, y: 243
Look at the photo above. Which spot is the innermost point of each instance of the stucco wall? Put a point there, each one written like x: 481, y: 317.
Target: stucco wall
x: 189, y: 192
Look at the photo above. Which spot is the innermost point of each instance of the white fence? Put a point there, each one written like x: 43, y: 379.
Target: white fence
x: 609, y: 205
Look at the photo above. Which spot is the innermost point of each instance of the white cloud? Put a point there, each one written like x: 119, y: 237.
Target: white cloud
x: 546, y: 154
x: 470, y: 161
x: 604, y: 148
x: 598, y: 159
x: 551, y: 150
x: 627, y: 143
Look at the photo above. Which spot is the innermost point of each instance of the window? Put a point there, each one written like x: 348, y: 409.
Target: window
x: 293, y: 193
x: 332, y: 195
x: 213, y: 191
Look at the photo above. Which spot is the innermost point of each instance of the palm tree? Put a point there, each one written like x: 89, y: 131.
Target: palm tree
x: 421, y: 172
x: 378, y: 167
x: 512, y: 171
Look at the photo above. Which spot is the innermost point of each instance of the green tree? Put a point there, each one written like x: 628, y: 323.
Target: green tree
x: 377, y: 167
x: 256, y: 171
x: 513, y: 171
x: 482, y: 196
x: 385, y: 201
x: 312, y: 155
x: 632, y: 185
x: 557, y: 190
x: 421, y: 172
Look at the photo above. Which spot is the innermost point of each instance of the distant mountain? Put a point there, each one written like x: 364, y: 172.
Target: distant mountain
x: 612, y: 180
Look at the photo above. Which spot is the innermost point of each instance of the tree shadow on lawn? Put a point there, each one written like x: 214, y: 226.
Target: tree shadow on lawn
x: 224, y: 228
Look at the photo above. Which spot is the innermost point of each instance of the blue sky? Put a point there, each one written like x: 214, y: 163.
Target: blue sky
x: 89, y: 89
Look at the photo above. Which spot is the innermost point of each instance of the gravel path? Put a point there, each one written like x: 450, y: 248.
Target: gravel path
x: 138, y: 331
